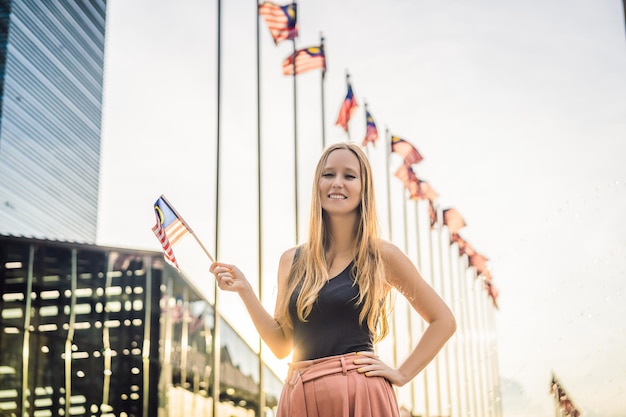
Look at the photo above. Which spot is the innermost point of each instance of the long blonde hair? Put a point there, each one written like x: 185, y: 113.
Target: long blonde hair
x: 309, y: 269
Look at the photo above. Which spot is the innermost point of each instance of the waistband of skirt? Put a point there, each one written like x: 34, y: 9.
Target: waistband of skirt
x: 316, y: 368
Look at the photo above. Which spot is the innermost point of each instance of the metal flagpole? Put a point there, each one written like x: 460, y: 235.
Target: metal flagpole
x: 486, y: 348
x: 215, y: 346
x: 442, y: 288
x: 477, y: 332
x: 348, y: 121
x: 469, y: 357
x: 387, y: 158
x: 295, y: 142
x: 261, y: 405
x: 420, y: 265
x: 409, y: 318
x: 418, y: 247
x: 323, y: 80
x: 432, y: 283
x: 393, y: 316
x: 367, y: 151
x: 462, y: 316
x: 454, y: 303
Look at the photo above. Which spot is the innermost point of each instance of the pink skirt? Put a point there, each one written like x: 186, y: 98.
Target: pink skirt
x: 332, y: 387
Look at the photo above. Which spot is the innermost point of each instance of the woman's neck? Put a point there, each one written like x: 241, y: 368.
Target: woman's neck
x: 342, y: 236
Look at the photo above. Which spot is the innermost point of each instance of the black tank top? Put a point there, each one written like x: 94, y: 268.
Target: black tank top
x: 332, y: 327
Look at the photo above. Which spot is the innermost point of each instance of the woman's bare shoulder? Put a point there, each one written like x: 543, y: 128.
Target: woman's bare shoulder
x: 390, y: 251
x: 286, y: 259
x: 284, y: 265
x: 398, y: 265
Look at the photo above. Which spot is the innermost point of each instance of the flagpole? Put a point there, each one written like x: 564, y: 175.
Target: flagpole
x: 462, y: 329
x: 495, y: 361
x: 469, y: 357
x: 388, y: 156
x: 322, y: 85
x: 367, y: 152
x: 409, y: 318
x: 215, y: 342
x: 187, y: 227
x: 387, y: 170
x: 418, y: 263
x: 485, y: 348
x: 435, y: 256
x: 421, y: 268
x: 453, y: 304
x: 295, y: 141
x: 261, y: 405
x: 348, y: 121
x: 444, y: 294
x: 478, y: 344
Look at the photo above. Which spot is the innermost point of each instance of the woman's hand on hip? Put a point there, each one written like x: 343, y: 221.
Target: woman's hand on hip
x: 371, y: 365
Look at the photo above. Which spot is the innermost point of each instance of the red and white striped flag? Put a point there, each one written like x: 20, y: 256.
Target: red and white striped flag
x: 169, y: 229
x: 405, y: 150
x: 281, y: 20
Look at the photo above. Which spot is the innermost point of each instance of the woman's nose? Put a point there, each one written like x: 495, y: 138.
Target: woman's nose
x: 337, y: 182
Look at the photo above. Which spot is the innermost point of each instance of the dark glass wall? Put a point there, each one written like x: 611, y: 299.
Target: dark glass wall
x: 86, y: 330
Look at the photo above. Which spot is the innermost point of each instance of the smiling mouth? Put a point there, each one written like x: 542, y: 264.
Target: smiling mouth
x: 337, y: 197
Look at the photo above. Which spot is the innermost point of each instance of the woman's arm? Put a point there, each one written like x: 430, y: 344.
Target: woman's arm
x: 278, y: 338
x: 405, y: 277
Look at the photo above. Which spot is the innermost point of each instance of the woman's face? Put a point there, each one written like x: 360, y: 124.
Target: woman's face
x: 340, y: 183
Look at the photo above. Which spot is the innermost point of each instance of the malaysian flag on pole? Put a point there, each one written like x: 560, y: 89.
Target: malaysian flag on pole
x: 406, y: 150
x: 371, y: 132
x: 405, y: 174
x: 348, y: 107
x: 281, y: 20
x: 169, y: 229
x: 453, y: 219
x: 307, y: 59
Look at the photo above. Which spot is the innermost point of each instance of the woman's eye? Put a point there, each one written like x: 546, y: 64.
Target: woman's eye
x: 327, y: 174
x: 350, y: 177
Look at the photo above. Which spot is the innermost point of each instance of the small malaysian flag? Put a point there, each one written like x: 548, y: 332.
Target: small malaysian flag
x: 169, y: 229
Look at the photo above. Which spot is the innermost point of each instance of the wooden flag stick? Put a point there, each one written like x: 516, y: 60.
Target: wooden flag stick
x: 188, y: 228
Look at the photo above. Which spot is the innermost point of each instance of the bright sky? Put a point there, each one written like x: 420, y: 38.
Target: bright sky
x: 519, y: 109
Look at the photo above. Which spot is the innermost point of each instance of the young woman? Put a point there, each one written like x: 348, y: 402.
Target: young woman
x: 333, y: 301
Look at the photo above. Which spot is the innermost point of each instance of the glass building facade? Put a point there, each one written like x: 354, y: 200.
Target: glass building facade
x: 51, y: 74
x: 93, y: 331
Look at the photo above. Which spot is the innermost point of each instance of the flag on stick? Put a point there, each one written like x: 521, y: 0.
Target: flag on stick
x: 371, y: 132
x: 406, y: 150
x: 281, y: 20
x: 170, y: 228
x: 307, y: 59
x: 348, y: 107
